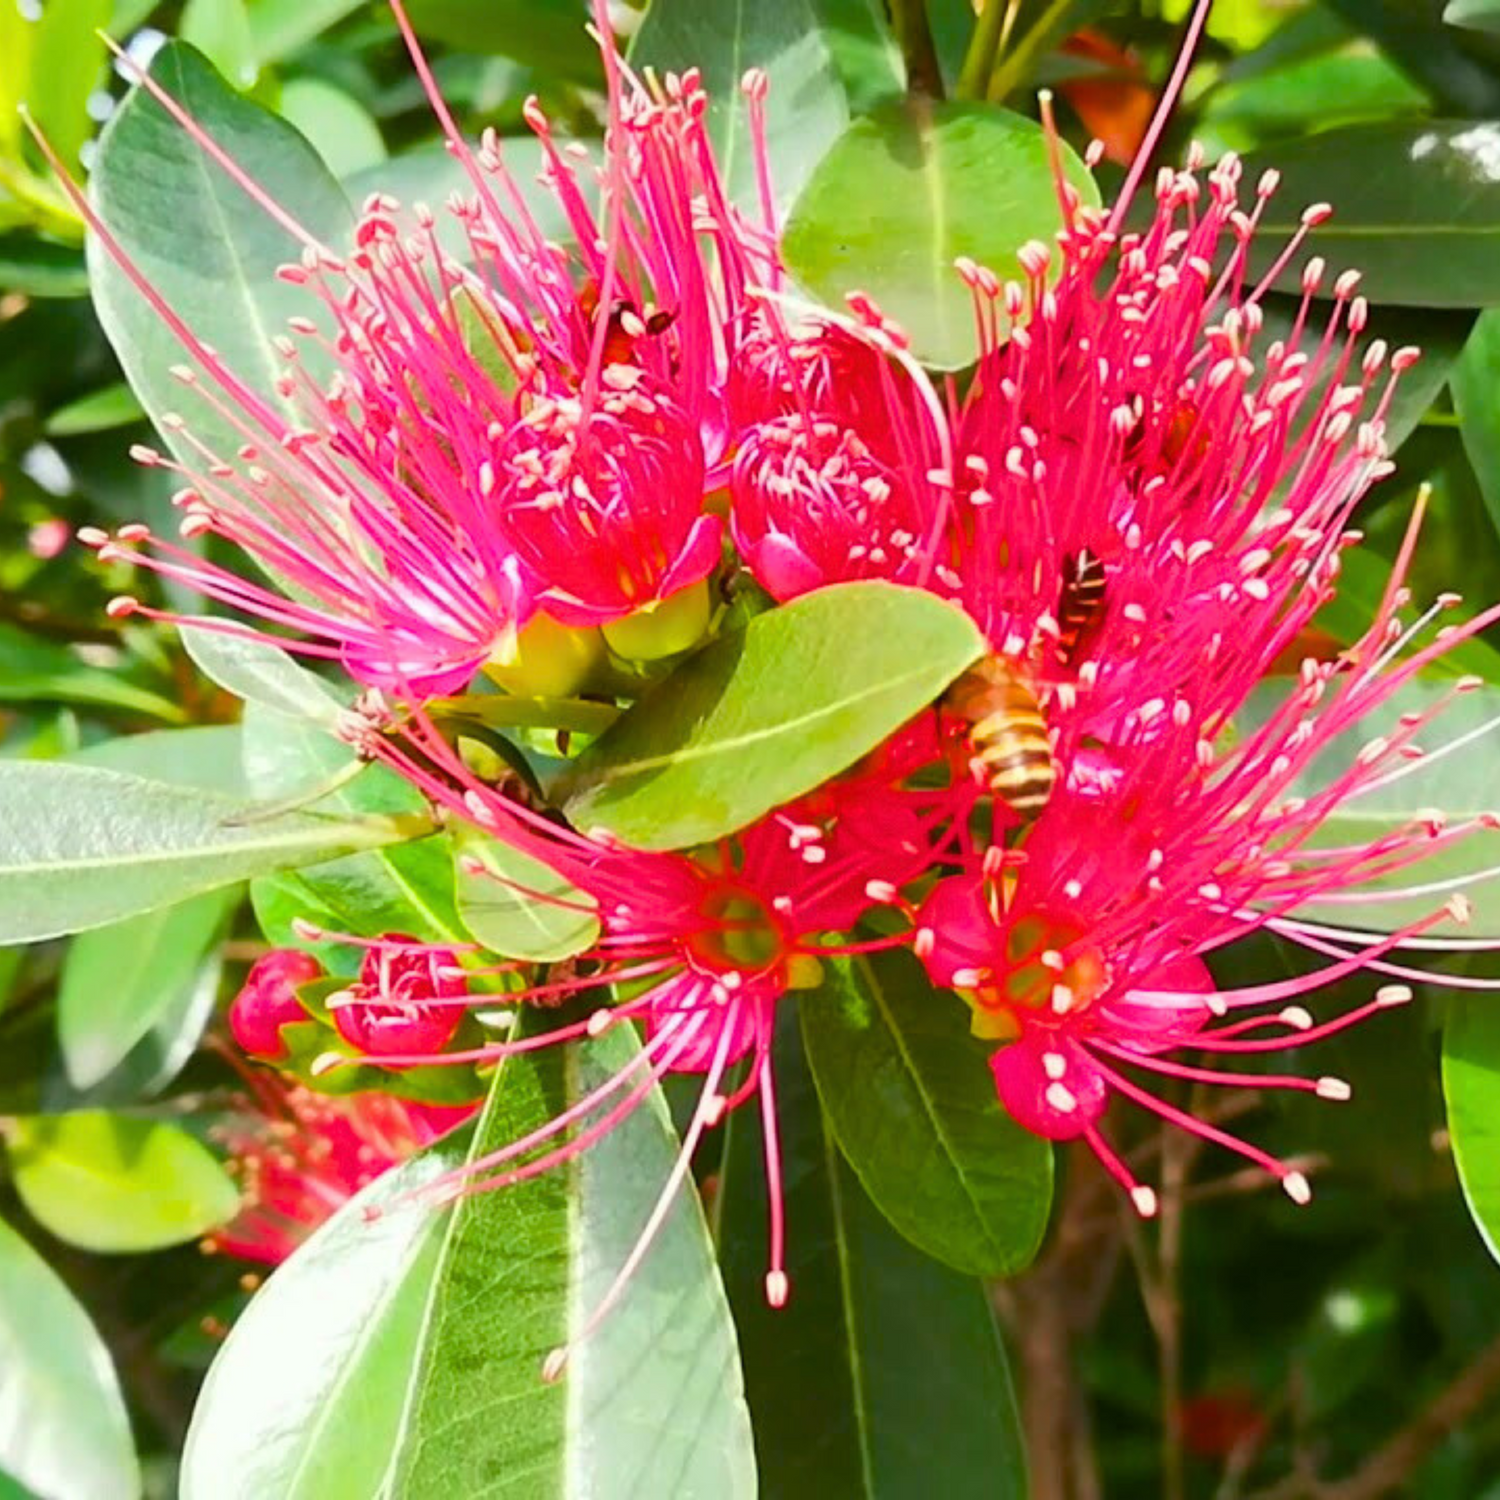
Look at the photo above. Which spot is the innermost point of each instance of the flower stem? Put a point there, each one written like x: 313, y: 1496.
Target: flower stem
x: 924, y: 74
x: 979, y: 58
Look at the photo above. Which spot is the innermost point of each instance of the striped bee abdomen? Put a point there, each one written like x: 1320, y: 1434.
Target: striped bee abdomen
x: 1081, y: 603
x: 1007, y: 735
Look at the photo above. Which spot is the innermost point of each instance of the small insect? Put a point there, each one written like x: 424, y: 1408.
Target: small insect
x: 1181, y: 435
x: 628, y: 325
x: 1007, y: 735
x: 1080, y: 606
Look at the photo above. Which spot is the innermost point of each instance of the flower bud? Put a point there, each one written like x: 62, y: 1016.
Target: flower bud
x: 546, y: 660
x: 402, y: 1002
x: 664, y: 627
x: 268, y: 1001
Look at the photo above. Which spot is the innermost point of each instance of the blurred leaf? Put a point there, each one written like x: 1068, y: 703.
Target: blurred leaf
x: 768, y: 713
x: 912, y: 1103
x: 1473, y: 15
x: 201, y: 243
x: 879, y: 1349
x: 32, y: 668
x: 63, y: 1428
x: 906, y: 191
x: 67, y: 65
x: 99, y: 411
x: 1461, y: 784
x: 280, y: 27
x: 117, y: 981
x: 339, y: 127
x: 1411, y: 34
x: 258, y: 672
x: 547, y: 35
x: 38, y: 268
x: 1476, y: 396
x: 520, y: 908
x: 220, y: 30
x: 81, y: 847
x: 807, y: 108
x: 115, y: 1183
x: 868, y: 59
x: 425, y: 1332
x: 1417, y: 209
x: 1471, y: 1087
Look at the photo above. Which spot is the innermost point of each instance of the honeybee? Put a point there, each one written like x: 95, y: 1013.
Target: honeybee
x: 1081, y: 603
x: 628, y: 325
x: 1007, y: 734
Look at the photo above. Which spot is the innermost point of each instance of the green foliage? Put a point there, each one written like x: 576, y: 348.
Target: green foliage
x: 433, y: 1327
x: 765, y: 714
x: 909, y: 189
x: 913, y: 1107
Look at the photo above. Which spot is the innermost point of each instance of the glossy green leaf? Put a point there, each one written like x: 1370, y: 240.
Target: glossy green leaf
x: 259, y: 672
x: 544, y: 34
x: 912, y: 1103
x: 879, y: 1351
x: 1417, y: 209
x: 33, y: 669
x: 117, y: 981
x: 763, y: 715
x: 64, y: 1433
x: 1471, y: 1089
x: 200, y: 241
x: 517, y: 906
x: 81, y: 847
x: 422, y: 1334
x: 1461, y: 784
x: 807, y: 108
x: 117, y: 1183
x: 908, y: 190
x: 338, y: 125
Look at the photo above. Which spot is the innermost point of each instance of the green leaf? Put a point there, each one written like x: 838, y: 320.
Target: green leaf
x: 109, y: 407
x: 280, y: 27
x: 33, y: 669
x: 909, y: 189
x: 261, y: 673
x: 548, y: 35
x: 406, y: 888
x: 338, y: 125
x: 1471, y: 1087
x: 81, y: 847
x: 765, y: 714
x: 63, y: 1427
x: 1417, y: 209
x: 116, y: 1183
x: 207, y: 756
x: 807, y: 108
x: 118, y: 981
x: 67, y: 65
x: 220, y: 30
x: 425, y: 1332
x: 1476, y: 384
x: 879, y: 1350
x: 1473, y: 15
x: 201, y: 242
x: 1461, y: 785
x: 912, y: 1103
x: 517, y: 906
x: 37, y: 268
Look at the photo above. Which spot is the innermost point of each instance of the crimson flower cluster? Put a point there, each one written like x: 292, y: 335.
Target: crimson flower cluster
x: 540, y: 465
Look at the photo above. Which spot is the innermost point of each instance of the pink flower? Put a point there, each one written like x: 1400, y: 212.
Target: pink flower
x: 268, y: 1001
x: 300, y: 1157
x: 516, y: 429
x: 407, y: 999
